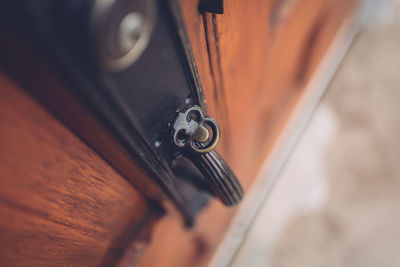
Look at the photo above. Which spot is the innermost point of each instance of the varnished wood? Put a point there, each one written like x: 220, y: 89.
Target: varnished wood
x: 60, y: 203
x: 52, y: 92
x: 255, y: 62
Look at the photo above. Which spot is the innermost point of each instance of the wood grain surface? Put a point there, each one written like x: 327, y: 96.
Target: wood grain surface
x: 255, y: 62
x: 60, y: 203
x: 52, y: 91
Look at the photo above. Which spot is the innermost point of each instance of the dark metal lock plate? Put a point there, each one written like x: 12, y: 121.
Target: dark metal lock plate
x: 143, y: 98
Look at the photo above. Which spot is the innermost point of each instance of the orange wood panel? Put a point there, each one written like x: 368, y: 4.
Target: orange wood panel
x: 254, y: 62
x: 52, y: 92
x: 60, y: 203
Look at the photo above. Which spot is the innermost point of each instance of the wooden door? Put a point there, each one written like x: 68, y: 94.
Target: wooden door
x: 61, y: 203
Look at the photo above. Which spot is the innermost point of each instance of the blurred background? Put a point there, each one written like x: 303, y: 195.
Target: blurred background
x: 336, y: 201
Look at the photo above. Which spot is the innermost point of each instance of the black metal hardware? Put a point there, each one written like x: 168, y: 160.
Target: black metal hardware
x: 140, y: 96
x: 198, y: 135
x: 194, y: 131
x: 212, y: 6
x: 219, y: 176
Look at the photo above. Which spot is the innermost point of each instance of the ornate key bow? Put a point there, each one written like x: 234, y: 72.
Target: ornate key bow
x: 198, y: 135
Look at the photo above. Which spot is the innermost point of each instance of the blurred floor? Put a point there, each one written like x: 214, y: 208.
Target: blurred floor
x: 336, y: 203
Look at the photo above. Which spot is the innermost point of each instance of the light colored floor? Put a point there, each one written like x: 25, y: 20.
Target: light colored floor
x: 337, y: 201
